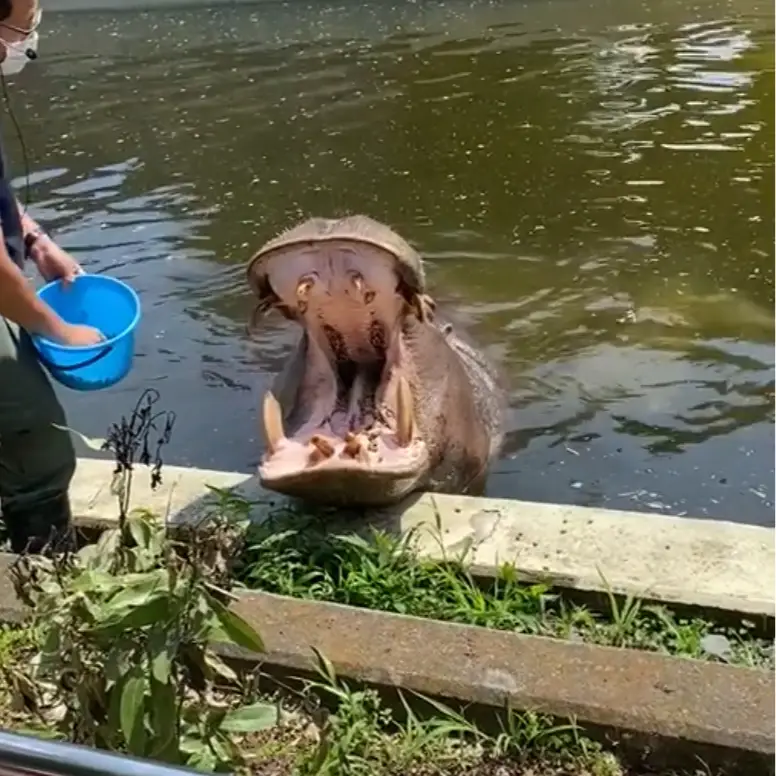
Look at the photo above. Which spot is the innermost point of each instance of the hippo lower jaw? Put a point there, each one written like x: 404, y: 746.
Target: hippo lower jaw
x: 295, y: 469
x: 371, y: 456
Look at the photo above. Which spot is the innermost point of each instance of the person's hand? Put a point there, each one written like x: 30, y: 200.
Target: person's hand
x: 76, y: 335
x: 53, y: 262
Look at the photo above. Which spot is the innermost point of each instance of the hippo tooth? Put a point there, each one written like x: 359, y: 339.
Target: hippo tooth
x: 405, y: 420
x: 352, y: 445
x: 322, y: 445
x: 273, y: 422
x: 355, y: 447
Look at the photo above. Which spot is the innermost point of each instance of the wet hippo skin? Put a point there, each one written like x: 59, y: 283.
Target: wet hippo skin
x: 380, y: 397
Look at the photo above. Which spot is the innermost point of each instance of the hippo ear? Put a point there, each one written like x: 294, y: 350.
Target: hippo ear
x: 429, y: 307
x: 256, y: 275
x: 264, y: 307
x: 268, y: 300
x: 422, y: 307
x: 268, y: 303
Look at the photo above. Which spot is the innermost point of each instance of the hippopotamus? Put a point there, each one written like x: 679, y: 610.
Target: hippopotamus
x: 380, y: 397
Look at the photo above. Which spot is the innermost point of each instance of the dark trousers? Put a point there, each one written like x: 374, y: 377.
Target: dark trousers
x: 37, y: 459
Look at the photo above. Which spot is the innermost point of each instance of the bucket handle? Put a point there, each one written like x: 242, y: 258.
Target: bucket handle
x: 89, y: 361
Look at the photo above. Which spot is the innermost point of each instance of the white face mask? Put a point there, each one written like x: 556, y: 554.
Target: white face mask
x: 17, y: 54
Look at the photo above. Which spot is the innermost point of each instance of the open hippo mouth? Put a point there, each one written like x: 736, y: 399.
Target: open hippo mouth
x: 368, y: 432
x: 340, y: 425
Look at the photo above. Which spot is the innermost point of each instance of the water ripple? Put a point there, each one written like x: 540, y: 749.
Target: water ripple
x: 589, y: 186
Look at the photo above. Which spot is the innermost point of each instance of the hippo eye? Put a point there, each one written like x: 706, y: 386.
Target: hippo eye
x: 306, y: 282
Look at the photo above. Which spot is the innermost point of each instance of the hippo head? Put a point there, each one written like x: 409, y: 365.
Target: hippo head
x: 340, y: 423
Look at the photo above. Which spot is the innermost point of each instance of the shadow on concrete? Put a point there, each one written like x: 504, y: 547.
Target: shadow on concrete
x: 247, y: 497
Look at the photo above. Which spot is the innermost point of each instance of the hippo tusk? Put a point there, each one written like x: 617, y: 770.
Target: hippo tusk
x: 273, y: 422
x: 405, y: 416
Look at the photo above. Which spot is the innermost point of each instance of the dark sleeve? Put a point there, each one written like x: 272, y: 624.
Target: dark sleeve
x: 10, y: 220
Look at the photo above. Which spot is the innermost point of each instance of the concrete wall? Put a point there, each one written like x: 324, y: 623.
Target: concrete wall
x: 707, y: 563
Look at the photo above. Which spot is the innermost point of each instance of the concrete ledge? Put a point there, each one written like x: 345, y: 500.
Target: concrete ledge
x: 696, y: 563
x: 668, y: 711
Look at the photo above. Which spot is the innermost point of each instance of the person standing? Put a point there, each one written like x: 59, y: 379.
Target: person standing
x: 37, y: 459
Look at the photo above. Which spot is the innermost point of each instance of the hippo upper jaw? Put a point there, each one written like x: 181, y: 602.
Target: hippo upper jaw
x: 349, y: 435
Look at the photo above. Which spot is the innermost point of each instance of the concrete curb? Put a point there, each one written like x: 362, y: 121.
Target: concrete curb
x: 662, y: 712
x: 695, y: 563
x: 665, y: 711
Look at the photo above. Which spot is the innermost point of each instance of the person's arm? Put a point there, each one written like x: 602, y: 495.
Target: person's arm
x: 20, y: 304
x: 52, y: 262
x: 30, y: 227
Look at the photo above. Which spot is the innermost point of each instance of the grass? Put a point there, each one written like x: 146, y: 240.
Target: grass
x: 358, y: 735
x: 11, y: 639
x: 332, y: 729
x: 297, y: 555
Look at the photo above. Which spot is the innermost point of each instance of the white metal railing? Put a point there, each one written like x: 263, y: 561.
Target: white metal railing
x: 22, y: 755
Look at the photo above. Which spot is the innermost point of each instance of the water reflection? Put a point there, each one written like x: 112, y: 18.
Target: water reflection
x: 592, y: 185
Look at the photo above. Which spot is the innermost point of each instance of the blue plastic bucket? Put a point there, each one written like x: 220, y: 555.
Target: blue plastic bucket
x: 108, y: 305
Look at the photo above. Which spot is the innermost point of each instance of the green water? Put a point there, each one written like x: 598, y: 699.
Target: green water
x: 591, y: 184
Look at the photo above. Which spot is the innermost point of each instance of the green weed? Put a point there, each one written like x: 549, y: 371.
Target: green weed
x: 122, y: 635
x: 297, y: 555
